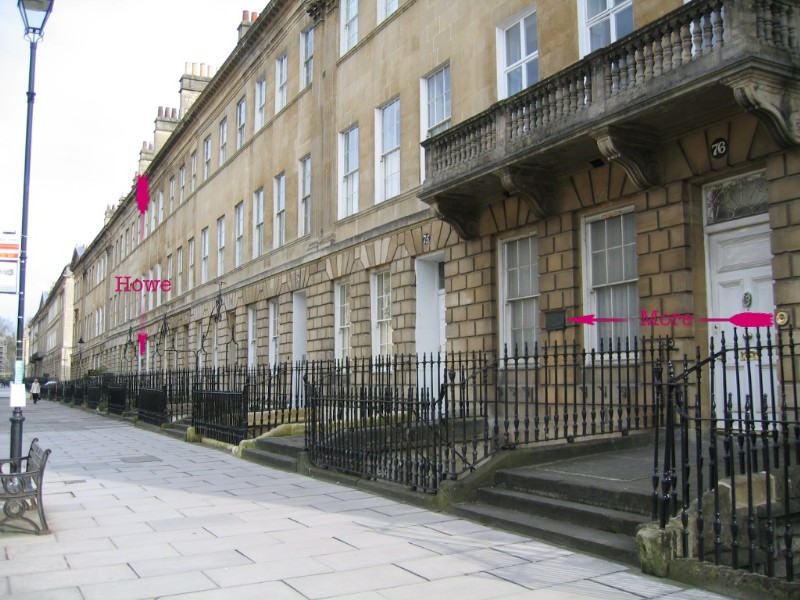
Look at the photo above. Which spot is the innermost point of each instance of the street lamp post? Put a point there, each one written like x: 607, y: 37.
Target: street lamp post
x: 34, y: 16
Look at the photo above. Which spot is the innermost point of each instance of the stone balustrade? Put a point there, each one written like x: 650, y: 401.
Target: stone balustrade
x: 701, y: 41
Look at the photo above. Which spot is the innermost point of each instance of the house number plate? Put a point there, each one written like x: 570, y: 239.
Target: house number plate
x: 719, y: 147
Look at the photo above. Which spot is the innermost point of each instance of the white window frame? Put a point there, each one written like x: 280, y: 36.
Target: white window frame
x: 258, y: 223
x: 306, y: 57
x: 281, y: 75
x: 507, y: 337
x: 274, y: 332
x: 348, y: 25
x: 179, y: 277
x: 388, y: 182
x: 252, y: 336
x: 158, y: 287
x: 348, y: 172
x: 238, y: 248
x: 204, y: 255
x: 261, y: 103
x: 584, y: 23
x: 171, y: 194
x: 169, y: 277
x: 241, y: 120
x: 502, y: 68
x: 193, y: 174
x: 182, y: 191
x: 221, y: 246
x: 160, y: 206
x: 149, y: 292
x: 441, y: 74
x: 190, y: 268
x: 342, y: 321
x: 223, y: 141
x: 386, y: 8
x: 304, y: 202
x: 206, y: 157
x: 380, y: 347
x: 590, y: 298
x: 279, y: 195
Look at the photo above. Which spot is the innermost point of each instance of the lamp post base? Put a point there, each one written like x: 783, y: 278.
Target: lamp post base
x: 16, y: 436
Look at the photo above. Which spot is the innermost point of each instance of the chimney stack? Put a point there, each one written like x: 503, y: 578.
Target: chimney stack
x: 248, y: 18
x: 165, y: 124
x: 194, y: 80
x: 110, y: 208
x: 146, y: 155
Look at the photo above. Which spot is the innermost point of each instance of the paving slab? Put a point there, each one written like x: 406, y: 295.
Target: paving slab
x: 138, y: 515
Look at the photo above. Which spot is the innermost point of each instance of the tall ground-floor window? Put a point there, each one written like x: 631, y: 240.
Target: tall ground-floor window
x: 381, y: 305
x: 519, y: 294
x: 611, y: 275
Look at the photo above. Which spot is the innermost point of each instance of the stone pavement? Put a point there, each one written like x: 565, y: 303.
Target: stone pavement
x: 136, y: 514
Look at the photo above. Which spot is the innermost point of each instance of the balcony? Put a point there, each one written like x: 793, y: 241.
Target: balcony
x: 707, y: 59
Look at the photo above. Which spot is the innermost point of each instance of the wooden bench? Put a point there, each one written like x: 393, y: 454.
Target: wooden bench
x: 22, y: 490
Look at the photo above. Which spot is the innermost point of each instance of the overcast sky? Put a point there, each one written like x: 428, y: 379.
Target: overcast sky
x: 102, y: 70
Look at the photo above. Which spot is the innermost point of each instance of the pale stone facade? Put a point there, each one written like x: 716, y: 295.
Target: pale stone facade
x: 49, y: 333
x: 621, y: 138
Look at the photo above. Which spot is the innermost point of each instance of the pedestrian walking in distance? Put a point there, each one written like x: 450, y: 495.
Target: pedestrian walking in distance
x: 35, y: 391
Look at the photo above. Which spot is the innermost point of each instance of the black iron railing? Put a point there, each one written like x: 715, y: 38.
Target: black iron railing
x: 220, y: 415
x: 419, y: 420
x: 731, y: 451
x: 275, y: 397
x: 152, y: 406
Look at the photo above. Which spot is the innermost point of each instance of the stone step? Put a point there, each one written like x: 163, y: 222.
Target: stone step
x: 290, y: 446
x: 270, y: 459
x: 604, y: 519
x: 614, y: 546
x: 177, y: 429
x: 618, y: 495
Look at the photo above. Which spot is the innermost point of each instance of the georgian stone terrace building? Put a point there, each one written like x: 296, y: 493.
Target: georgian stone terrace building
x: 365, y: 177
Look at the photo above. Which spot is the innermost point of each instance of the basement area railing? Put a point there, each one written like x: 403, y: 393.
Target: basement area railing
x: 727, y: 474
x: 420, y: 420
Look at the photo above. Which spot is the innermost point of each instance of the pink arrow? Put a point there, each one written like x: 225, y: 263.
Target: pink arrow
x: 591, y: 320
x: 142, y: 342
x: 745, y: 319
x: 142, y: 193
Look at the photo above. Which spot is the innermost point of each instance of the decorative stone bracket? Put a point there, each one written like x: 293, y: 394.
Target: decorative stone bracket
x: 459, y: 212
x: 634, y: 150
x: 774, y: 99
x: 316, y: 9
x: 531, y: 185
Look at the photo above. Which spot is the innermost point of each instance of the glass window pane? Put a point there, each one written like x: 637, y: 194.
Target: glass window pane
x: 513, y: 284
x: 516, y: 314
x: 513, y: 44
x: 531, y: 35
x: 514, y: 81
x: 614, y: 231
x: 595, y: 7
x: 629, y: 267
x: 614, y: 264
x: 600, y: 35
x: 620, y: 306
x: 629, y: 228
x: 599, y: 276
x: 532, y: 71
x: 511, y: 255
x: 603, y: 302
x: 524, y: 282
x: 624, y: 22
x: 598, y: 234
